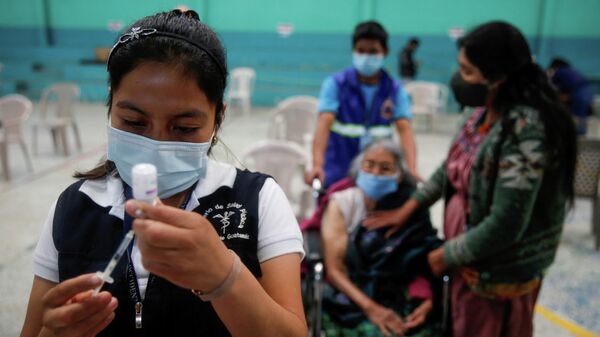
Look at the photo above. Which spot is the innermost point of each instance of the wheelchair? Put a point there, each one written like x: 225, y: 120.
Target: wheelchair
x: 313, y: 282
x: 313, y: 277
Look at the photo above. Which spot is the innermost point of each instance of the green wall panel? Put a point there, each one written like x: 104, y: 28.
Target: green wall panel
x: 433, y: 17
x: 21, y: 13
x: 560, y: 18
x: 91, y: 14
x: 264, y: 16
x: 572, y: 18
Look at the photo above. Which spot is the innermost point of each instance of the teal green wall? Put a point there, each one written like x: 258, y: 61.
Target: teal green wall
x: 38, y: 50
x: 264, y: 15
x: 21, y: 13
x: 559, y: 18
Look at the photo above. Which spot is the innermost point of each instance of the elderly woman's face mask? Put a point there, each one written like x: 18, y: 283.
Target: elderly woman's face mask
x: 379, y: 174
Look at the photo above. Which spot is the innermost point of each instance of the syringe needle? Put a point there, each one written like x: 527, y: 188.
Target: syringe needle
x: 105, y: 276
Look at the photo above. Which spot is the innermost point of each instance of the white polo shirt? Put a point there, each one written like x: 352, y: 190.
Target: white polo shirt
x: 278, y: 230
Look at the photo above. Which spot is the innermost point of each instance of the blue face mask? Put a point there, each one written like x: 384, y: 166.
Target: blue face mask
x: 367, y: 64
x: 376, y: 187
x: 178, y: 164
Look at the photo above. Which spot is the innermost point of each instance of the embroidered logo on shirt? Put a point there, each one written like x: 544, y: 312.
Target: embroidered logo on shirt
x: 224, y: 219
x: 228, y: 215
x: 387, y: 109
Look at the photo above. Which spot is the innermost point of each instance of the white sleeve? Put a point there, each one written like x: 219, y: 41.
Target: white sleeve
x: 343, y: 199
x: 278, y: 230
x: 45, y: 255
x: 351, y: 203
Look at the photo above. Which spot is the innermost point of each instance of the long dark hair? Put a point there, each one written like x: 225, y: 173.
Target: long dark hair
x: 196, y: 63
x: 502, y: 54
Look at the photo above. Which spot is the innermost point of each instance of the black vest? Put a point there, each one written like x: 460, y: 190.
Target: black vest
x: 86, y: 236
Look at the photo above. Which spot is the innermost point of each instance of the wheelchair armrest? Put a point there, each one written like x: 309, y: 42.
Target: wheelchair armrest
x: 313, y: 245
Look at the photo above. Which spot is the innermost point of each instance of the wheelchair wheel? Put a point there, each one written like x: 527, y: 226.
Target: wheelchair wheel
x: 314, y: 291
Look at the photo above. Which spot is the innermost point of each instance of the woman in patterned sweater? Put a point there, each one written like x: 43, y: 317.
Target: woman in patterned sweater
x: 506, y: 182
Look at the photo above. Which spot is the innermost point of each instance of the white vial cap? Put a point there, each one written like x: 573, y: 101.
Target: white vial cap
x: 144, y: 182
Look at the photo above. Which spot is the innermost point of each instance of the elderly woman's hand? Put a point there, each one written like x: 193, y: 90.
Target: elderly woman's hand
x: 388, y: 322
x: 181, y: 246
x: 419, y: 315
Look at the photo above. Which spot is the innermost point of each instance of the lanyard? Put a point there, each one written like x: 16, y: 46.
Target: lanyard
x: 134, y: 290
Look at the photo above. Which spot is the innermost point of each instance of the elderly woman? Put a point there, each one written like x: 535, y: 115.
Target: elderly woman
x: 378, y: 283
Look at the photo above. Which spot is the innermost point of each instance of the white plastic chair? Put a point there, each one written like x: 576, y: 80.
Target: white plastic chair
x: 587, y: 180
x: 241, y: 87
x: 63, y: 97
x: 428, y: 99
x: 294, y: 119
x: 285, y: 161
x: 14, y: 110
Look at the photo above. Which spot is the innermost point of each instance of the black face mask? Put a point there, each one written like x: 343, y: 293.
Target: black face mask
x: 466, y: 94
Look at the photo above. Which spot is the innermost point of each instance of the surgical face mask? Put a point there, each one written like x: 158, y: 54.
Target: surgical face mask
x: 178, y: 164
x: 376, y: 187
x: 367, y: 64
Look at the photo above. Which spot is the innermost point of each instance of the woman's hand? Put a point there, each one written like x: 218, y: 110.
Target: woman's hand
x: 70, y: 309
x: 388, y: 322
x: 395, y: 218
x: 417, y: 176
x: 436, y: 261
x: 380, y: 219
x: 316, y: 172
x: 181, y: 246
x: 419, y: 315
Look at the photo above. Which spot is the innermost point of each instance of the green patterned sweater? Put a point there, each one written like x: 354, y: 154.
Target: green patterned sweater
x: 516, y: 209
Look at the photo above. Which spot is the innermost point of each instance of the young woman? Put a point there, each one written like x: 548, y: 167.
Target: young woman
x: 183, y: 275
x: 507, y: 181
x: 380, y: 285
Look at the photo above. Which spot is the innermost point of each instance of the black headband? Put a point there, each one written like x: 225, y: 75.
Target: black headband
x: 138, y: 32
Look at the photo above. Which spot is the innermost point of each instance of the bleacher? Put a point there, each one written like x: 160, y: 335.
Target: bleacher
x: 285, y: 66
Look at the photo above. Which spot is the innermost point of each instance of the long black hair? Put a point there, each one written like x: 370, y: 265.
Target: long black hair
x: 502, y: 54
x: 207, y: 65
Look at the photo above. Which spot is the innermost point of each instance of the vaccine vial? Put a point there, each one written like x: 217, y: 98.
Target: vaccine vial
x: 144, y: 183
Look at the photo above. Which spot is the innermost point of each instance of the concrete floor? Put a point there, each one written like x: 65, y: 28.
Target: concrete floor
x: 570, y: 289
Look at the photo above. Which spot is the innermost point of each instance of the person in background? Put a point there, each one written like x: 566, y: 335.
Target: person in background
x: 219, y: 255
x: 406, y: 64
x: 574, y: 90
x: 507, y: 183
x: 358, y: 105
x: 380, y: 285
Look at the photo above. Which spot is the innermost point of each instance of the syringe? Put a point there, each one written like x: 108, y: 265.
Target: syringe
x: 145, y: 190
x: 105, y: 275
